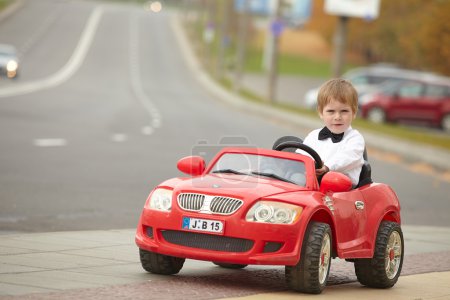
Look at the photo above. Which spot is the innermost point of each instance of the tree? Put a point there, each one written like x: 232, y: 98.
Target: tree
x: 436, y: 37
x: 411, y: 33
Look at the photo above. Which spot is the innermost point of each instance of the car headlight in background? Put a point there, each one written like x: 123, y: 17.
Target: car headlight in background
x: 154, y: 6
x: 12, y: 66
x: 160, y: 199
x: 273, y: 212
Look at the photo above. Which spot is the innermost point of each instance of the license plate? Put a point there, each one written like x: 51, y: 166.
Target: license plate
x: 202, y: 225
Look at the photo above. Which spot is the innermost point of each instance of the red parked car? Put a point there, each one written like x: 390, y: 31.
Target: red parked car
x: 425, y: 100
x: 266, y: 207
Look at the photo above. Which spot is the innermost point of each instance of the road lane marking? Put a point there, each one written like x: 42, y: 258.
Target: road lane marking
x: 136, y: 81
x: 68, y: 70
x: 50, y: 142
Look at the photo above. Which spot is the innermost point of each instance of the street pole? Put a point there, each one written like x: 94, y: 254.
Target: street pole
x: 227, y: 7
x: 275, y: 31
x: 339, y: 46
x: 241, y: 47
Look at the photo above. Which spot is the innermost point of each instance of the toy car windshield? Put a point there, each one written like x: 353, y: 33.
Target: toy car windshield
x: 260, y: 165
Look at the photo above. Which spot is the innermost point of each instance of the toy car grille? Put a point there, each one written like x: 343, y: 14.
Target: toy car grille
x: 207, y: 241
x: 209, y: 204
x: 224, y: 205
x: 192, y: 202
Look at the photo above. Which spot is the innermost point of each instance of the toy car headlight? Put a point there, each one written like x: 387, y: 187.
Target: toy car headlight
x: 160, y: 199
x: 273, y: 212
x: 11, y: 66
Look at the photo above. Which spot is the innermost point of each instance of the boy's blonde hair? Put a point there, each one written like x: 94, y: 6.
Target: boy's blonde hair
x: 340, y: 90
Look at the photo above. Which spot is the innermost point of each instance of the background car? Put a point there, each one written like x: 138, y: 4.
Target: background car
x: 9, y: 62
x: 366, y: 80
x: 423, y: 100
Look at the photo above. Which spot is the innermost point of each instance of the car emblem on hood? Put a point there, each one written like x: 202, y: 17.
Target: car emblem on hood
x: 216, y: 186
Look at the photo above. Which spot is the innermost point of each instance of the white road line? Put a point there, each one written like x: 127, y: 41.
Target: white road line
x: 136, y: 81
x: 68, y: 70
x: 50, y: 142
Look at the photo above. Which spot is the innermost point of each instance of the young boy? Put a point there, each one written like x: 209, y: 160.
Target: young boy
x: 339, y: 145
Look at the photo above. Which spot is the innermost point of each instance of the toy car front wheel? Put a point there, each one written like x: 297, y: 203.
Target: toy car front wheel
x: 229, y: 266
x: 383, y: 270
x: 311, y: 272
x: 160, y: 264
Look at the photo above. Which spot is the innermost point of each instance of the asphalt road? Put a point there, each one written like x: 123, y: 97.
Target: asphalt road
x: 104, y: 107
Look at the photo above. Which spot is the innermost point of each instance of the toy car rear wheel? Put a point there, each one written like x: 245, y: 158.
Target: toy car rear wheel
x: 229, y: 266
x: 160, y: 264
x: 383, y: 270
x: 310, y: 274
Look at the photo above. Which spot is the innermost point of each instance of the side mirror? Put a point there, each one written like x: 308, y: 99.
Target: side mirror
x: 335, y: 182
x: 191, y: 165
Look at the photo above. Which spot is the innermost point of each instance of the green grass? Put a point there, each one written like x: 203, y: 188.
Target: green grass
x: 4, y: 3
x: 289, y: 65
x: 292, y: 65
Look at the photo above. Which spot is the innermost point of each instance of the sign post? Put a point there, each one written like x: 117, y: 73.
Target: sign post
x: 366, y: 9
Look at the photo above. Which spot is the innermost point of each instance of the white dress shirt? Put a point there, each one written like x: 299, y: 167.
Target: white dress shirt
x: 345, y: 156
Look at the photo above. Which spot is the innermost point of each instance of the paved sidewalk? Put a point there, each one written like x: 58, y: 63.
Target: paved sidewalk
x: 85, y: 264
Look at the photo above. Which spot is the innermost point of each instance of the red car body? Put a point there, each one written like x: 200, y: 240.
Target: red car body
x: 354, y: 215
x: 419, y: 101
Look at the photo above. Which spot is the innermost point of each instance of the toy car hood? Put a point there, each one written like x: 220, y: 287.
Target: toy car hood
x: 236, y: 186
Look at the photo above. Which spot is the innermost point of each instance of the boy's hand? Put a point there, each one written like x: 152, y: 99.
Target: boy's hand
x: 322, y: 171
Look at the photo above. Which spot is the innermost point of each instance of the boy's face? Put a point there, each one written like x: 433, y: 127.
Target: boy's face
x: 337, y: 116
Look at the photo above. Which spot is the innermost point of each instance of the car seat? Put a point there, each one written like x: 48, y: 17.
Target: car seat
x: 365, y: 177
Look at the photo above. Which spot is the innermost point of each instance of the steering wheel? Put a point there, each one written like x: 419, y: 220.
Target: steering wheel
x: 301, y: 146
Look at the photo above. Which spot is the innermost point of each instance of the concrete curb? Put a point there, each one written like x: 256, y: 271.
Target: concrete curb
x: 439, y: 158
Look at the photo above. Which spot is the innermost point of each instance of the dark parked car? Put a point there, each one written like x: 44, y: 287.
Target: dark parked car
x: 424, y: 100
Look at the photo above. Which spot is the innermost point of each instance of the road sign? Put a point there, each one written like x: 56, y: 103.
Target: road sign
x: 367, y: 9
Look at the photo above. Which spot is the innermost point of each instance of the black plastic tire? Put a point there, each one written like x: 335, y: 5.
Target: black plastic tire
x: 160, y: 264
x: 377, y: 272
x: 229, y: 266
x: 310, y: 274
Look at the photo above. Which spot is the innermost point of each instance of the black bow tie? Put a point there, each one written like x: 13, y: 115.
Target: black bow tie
x: 326, y: 133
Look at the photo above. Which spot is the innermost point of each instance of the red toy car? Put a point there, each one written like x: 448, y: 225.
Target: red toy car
x: 266, y: 207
